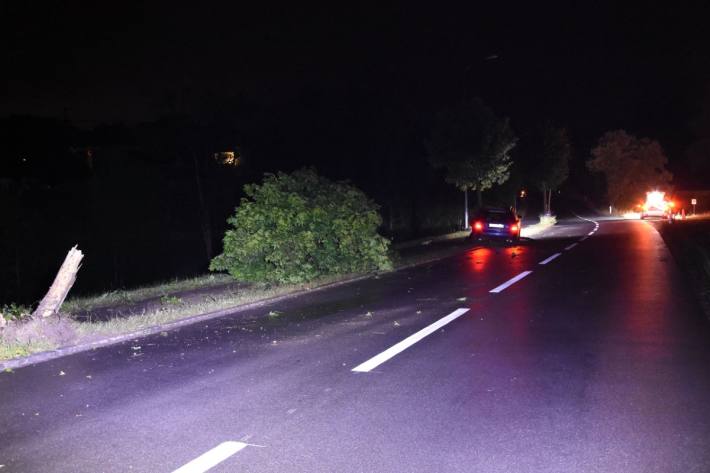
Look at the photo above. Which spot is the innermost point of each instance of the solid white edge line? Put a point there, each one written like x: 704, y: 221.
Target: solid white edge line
x: 510, y: 282
x: 211, y: 458
x: 569, y: 247
x: 392, y: 351
x: 547, y: 260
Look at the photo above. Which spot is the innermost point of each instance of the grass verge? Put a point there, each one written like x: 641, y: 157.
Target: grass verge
x: 171, y: 312
x: 162, y: 289
x: 689, y: 242
x: 9, y: 351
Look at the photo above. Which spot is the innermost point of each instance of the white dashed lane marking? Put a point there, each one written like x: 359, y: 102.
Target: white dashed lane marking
x: 212, y: 458
x: 547, y: 260
x: 510, y: 282
x: 569, y: 247
x: 377, y: 360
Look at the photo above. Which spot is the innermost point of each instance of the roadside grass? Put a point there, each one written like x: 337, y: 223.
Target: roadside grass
x: 162, y: 289
x: 172, y: 312
x: 173, y: 307
x: 9, y: 350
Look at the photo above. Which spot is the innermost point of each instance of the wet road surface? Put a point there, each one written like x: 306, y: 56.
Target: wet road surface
x: 595, y: 361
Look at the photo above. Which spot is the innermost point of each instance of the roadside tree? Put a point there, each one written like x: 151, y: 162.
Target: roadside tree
x: 473, y: 145
x: 550, y: 162
x: 631, y: 166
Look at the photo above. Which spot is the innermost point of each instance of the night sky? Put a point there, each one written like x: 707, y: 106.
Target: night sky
x: 590, y: 67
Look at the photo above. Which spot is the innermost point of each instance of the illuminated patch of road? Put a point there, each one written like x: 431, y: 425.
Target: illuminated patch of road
x: 212, y: 458
x: 569, y: 247
x: 510, y: 282
x: 394, y: 350
x: 547, y: 260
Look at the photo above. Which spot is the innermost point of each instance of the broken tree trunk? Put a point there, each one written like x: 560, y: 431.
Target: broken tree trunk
x: 63, y: 282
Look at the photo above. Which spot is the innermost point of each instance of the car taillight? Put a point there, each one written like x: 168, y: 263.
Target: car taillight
x: 478, y: 226
x: 514, y: 228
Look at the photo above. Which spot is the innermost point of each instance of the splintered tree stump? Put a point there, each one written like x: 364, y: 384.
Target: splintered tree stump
x: 63, y: 282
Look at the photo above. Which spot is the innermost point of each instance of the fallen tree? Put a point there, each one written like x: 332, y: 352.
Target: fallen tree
x: 63, y: 282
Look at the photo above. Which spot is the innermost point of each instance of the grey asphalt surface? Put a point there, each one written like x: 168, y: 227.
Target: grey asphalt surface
x: 598, y: 361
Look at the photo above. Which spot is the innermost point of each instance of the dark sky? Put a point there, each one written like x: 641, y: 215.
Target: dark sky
x: 590, y: 66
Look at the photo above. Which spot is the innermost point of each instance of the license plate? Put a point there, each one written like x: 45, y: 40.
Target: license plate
x: 496, y: 225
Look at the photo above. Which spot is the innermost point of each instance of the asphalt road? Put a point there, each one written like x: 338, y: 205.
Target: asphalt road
x: 597, y: 361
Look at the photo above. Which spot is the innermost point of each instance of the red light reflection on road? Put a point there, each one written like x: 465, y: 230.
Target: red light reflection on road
x: 517, y: 254
x: 480, y: 258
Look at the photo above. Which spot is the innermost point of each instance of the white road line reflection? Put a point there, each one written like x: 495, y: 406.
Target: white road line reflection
x: 569, y: 247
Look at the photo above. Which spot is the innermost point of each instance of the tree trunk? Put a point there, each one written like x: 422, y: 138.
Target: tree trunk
x: 18, y: 278
x: 465, y: 209
x: 544, y: 200
x: 205, y: 222
x: 414, y: 215
x: 63, y: 282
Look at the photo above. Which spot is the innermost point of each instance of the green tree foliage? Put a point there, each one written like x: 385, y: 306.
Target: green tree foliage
x: 631, y: 167
x: 473, y: 145
x: 296, y: 227
x: 550, y: 161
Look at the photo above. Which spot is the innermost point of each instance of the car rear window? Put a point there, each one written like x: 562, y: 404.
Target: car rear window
x: 497, y: 217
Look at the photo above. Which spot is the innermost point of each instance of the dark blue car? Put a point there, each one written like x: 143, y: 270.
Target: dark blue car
x: 496, y: 223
